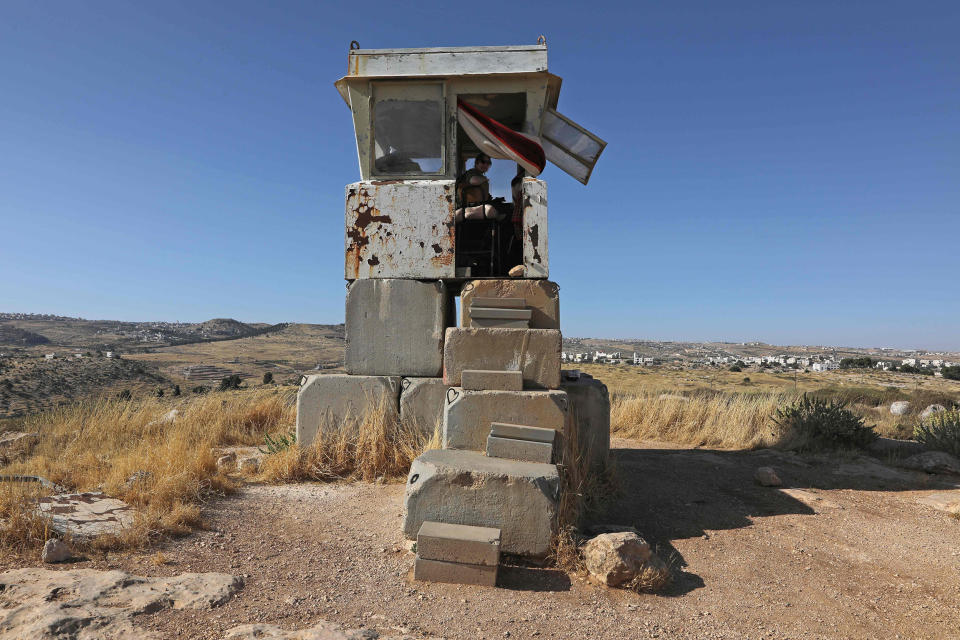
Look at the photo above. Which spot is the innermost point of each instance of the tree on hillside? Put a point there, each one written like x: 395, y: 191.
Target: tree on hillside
x: 864, y: 362
x: 951, y: 373
x: 267, y: 378
x: 230, y: 382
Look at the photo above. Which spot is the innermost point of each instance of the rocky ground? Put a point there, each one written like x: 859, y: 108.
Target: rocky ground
x: 845, y: 549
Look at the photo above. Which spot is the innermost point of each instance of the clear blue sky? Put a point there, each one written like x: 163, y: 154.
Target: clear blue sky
x: 788, y: 172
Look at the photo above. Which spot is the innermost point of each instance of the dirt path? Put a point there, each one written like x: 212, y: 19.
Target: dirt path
x: 833, y: 555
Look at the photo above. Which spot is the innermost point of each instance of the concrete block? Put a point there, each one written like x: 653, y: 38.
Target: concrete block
x: 395, y: 327
x: 536, y: 261
x: 421, y: 404
x: 501, y: 303
x: 494, y: 323
x: 331, y: 399
x: 499, y: 314
x: 458, y: 543
x: 481, y: 380
x: 535, y: 352
x: 466, y: 487
x: 468, y: 415
x: 511, y: 449
x: 454, y: 572
x: 522, y: 432
x: 589, y: 419
x: 542, y: 297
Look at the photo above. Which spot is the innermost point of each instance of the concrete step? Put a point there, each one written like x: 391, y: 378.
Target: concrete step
x: 497, y: 323
x: 541, y: 296
x: 528, y: 450
x: 454, y: 572
x: 466, y: 487
x: 459, y: 543
x: 522, y: 432
x: 500, y: 314
x: 481, y: 380
x: 503, y: 303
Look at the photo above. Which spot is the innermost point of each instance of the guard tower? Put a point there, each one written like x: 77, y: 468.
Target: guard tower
x: 489, y: 382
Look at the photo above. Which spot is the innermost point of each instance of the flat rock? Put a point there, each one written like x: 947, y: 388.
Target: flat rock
x: 86, y: 604
x: 932, y: 409
x: 933, y: 462
x: 86, y: 515
x: 321, y: 631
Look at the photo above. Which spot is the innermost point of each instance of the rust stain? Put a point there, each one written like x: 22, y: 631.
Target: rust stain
x: 366, y: 214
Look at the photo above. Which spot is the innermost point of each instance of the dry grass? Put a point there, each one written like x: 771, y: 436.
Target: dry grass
x: 101, y: 444
x: 717, y: 420
x: 369, y: 447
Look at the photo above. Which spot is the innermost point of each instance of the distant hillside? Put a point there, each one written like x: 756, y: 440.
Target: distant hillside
x: 12, y: 335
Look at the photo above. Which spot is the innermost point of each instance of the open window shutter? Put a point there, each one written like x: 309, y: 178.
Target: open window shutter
x: 570, y: 146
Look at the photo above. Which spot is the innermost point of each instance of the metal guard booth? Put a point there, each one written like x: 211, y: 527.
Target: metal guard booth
x: 410, y: 146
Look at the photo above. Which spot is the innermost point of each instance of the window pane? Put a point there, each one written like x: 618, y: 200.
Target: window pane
x: 565, y: 161
x: 572, y: 137
x: 408, y: 136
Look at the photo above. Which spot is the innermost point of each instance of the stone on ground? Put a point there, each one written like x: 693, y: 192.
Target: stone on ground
x: 933, y: 462
x: 55, y: 551
x: 458, y: 543
x: 766, y: 477
x: 900, y: 407
x: 589, y: 414
x: 619, y: 559
x: 454, y: 572
x: 930, y: 410
x: 534, y: 352
x: 86, y: 515
x: 542, y: 297
x: 332, y: 399
x: 468, y: 415
x: 86, y: 604
x: 421, y: 404
x: 395, y: 327
x: 465, y: 487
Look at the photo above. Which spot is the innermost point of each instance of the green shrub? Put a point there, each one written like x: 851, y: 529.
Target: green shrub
x: 951, y: 373
x: 941, y: 432
x: 230, y: 382
x: 268, y: 378
x: 735, y: 368
x: 815, y: 423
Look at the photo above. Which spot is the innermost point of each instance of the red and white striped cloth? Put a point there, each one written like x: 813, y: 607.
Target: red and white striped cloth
x: 499, y: 141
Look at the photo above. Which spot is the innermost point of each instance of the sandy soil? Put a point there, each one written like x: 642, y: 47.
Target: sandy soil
x: 837, y: 553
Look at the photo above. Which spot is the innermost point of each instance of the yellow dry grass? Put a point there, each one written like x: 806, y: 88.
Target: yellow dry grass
x: 714, y: 420
x: 100, y: 444
x: 374, y: 446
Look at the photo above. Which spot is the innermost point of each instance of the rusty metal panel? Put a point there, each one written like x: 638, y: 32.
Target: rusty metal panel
x: 447, y: 61
x: 400, y: 229
x: 535, y: 257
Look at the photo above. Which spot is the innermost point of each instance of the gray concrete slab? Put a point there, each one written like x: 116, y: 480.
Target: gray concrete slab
x: 502, y: 303
x: 535, y: 352
x: 499, y: 313
x: 481, y: 380
x: 468, y: 415
x: 512, y: 449
x: 329, y: 400
x: 589, y: 415
x: 421, y: 404
x: 395, y: 327
x: 497, y: 323
x: 466, y: 487
x: 542, y: 297
x: 458, y: 543
x: 454, y: 572
x: 522, y: 432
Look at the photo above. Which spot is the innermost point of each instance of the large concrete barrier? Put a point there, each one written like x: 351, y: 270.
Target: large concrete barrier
x: 589, y: 415
x: 465, y: 487
x: 330, y: 399
x: 534, y: 352
x: 421, y: 404
x: 395, y: 327
x: 468, y: 415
